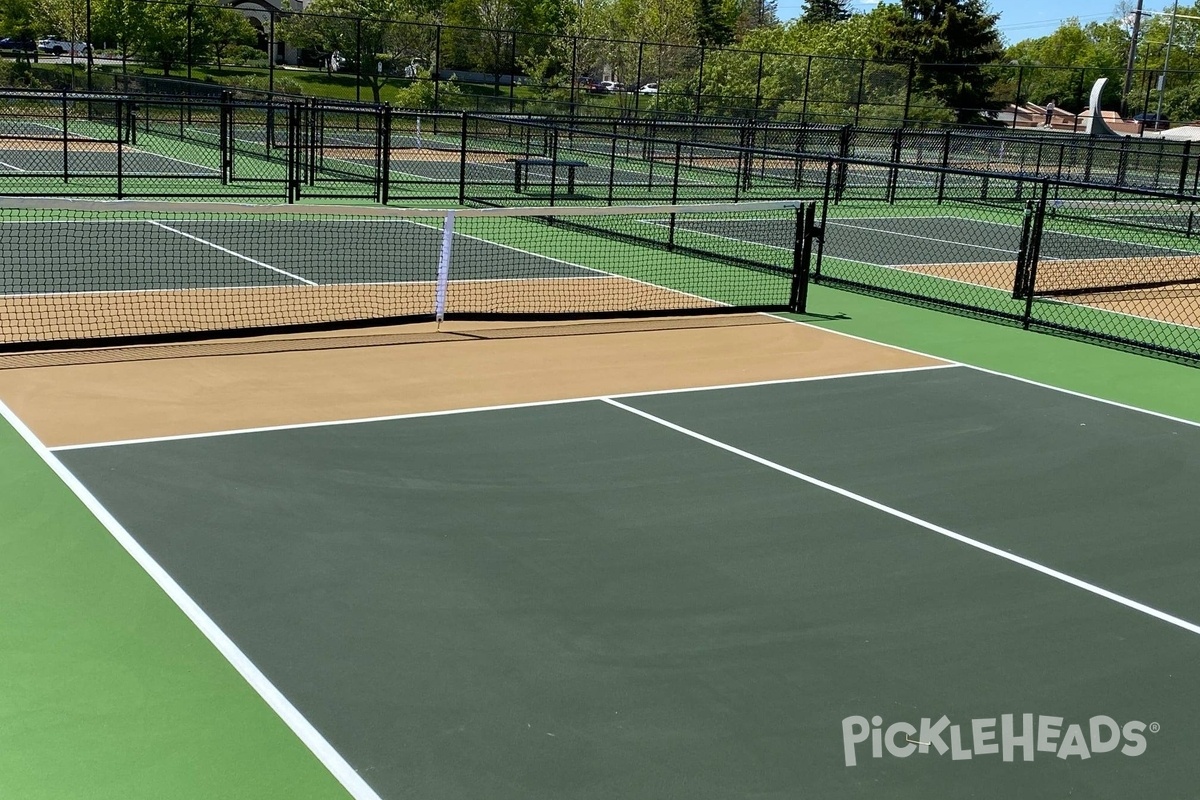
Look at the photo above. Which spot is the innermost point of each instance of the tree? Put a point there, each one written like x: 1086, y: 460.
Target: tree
x: 381, y: 35
x: 119, y: 23
x: 818, y: 11
x: 230, y: 29
x: 950, y: 40
x: 715, y: 22
x: 18, y: 18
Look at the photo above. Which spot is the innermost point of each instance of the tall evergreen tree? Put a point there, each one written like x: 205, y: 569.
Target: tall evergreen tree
x: 716, y: 21
x: 950, y: 40
x: 817, y: 11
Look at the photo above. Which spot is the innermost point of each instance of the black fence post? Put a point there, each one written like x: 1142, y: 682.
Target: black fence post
x: 941, y: 181
x: 700, y: 84
x: 1183, y: 167
x: 1021, y: 276
x: 357, y: 58
x: 804, y: 101
x: 87, y: 26
x: 675, y: 174
x: 816, y: 275
x: 1034, y: 254
x: 191, y: 8
x: 637, y: 87
x: 908, y: 86
x: 802, y: 257
x: 894, y: 169
x: 462, y: 161
x: 862, y: 77
x: 226, y: 126
x: 612, y: 168
x: 271, y: 56
x: 65, y: 139
x: 574, y: 71
x: 437, y: 73
x: 1017, y: 99
x: 512, y: 71
x: 758, y: 86
x: 385, y: 155
x: 119, y: 123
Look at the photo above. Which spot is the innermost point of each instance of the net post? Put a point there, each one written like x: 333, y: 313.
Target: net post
x: 443, y: 273
x: 1035, y: 247
x: 462, y: 161
x: 802, y: 257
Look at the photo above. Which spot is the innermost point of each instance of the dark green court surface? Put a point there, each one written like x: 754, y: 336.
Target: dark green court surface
x: 581, y: 601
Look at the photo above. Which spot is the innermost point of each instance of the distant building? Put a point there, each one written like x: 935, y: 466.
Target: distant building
x: 259, y: 14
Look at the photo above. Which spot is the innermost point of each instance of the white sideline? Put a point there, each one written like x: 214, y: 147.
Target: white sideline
x: 938, y: 529
x: 291, y: 716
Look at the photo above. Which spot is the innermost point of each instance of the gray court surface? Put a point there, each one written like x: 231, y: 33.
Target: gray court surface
x: 68, y: 256
x: 578, y: 601
x: 83, y: 162
x: 947, y: 240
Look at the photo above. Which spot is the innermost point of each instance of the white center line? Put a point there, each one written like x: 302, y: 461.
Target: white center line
x: 938, y: 529
x: 227, y: 251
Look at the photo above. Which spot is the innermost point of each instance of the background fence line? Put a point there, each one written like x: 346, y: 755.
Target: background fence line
x: 446, y: 67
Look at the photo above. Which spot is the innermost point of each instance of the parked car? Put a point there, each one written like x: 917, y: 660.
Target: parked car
x: 1152, y: 121
x: 59, y: 47
x: 611, y: 86
x: 18, y: 45
x: 587, y: 83
x: 649, y: 88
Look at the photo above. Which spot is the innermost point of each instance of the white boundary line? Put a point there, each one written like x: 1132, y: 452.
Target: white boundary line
x: 133, y: 150
x: 504, y: 407
x: 291, y: 716
x: 1089, y: 236
x: 923, y: 238
x: 233, y: 253
x: 13, y: 167
x: 929, y: 526
x: 997, y: 373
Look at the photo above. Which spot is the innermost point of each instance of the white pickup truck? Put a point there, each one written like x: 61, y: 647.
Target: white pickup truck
x: 59, y: 47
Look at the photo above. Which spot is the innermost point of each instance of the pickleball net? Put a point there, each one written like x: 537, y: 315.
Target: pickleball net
x: 80, y: 273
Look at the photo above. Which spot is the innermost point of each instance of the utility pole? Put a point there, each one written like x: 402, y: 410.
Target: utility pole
x: 1162, y: 80
x: 1133, y: 42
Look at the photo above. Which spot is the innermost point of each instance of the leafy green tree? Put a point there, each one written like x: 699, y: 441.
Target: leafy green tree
x: 19, y: 18
x: 951, y: 41
x: 230, y: 31
x: 378, y: 34
x: 119, y: 24
x: 1063, y: 65
x: 818, y: 11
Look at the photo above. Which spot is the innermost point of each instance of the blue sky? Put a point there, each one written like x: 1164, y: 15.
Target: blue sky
x: 1019, y: 19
